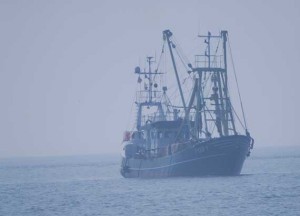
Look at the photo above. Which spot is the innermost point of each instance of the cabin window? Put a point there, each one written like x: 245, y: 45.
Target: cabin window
x: 137, y: 135
x: 160, y: 134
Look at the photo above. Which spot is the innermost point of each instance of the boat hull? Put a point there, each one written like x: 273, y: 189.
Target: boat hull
x: 222, y: 156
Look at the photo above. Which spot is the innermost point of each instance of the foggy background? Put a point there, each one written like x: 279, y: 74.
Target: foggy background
x: 66, y: 67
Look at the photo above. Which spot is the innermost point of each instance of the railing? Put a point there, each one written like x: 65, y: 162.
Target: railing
x: 142, y: 96
x: 216, y: 61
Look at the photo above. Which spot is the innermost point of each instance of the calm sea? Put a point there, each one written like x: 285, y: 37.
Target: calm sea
x: 92, y: 185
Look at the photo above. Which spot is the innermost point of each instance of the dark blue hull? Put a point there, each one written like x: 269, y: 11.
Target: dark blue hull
x: 219, y: 156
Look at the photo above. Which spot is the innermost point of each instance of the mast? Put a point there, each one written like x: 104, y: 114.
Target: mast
x: 150, y: 78
x: 213, y: 110
x: 167, y: 34
x: 227, y: 101
x: 220, y: 111
x: 149, y: 96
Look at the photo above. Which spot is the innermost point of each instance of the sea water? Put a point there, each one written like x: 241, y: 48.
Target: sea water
x: 91, y: 185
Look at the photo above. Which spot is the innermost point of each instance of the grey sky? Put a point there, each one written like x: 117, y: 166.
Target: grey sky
x: 66, y: 67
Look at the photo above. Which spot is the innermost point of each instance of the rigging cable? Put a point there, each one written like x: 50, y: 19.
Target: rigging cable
x: 160, y: 57
x: 181, y: 58
x: 182, y: 55
x: 237, y: 84
x: 237, y: 116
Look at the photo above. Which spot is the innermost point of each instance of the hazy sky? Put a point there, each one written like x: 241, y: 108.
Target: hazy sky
x: 66, y: 67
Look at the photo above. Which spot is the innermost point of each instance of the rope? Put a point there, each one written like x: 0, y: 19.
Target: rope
x: 237, y: 116
x: 237, y: 84
x: 159, y: 61
x: 180, y: 50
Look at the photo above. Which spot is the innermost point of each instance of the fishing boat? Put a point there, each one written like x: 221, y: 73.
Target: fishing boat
x: 197, y: 136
